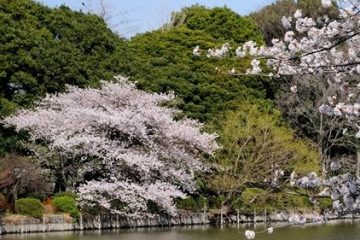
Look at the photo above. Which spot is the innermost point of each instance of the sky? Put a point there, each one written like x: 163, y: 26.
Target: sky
x: 129, y: 17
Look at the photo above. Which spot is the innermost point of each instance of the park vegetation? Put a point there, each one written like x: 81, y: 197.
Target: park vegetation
x: 181, y: 131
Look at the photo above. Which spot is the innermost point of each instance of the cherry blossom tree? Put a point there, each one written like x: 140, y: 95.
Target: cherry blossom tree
x: 132, y: 150
x: 333, y: 134
x: 330, y: 50
x: 326, y: 48
x: 322, y: 47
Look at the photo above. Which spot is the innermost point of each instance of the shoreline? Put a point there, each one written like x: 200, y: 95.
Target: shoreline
x: 57, y: 223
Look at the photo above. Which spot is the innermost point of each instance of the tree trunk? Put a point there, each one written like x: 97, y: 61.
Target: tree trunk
x: 60, y: 185
x: 323, y: 164
x: 323, y: 157
x: 15, y: 191
x: 358, y: 163
x: 221, y: 215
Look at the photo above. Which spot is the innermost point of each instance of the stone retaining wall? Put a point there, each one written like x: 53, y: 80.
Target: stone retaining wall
x: 50, y: 223
x: 58, y: 223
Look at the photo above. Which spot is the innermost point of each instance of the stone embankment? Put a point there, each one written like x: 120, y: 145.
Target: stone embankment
x: 50, y: 223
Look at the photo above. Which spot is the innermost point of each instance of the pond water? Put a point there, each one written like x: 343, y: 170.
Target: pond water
x: 340, y: 230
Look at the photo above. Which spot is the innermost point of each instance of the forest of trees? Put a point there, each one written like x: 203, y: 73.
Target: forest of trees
x: 166, y: 128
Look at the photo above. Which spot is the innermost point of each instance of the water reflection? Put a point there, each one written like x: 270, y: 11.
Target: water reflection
x: 336, y: 230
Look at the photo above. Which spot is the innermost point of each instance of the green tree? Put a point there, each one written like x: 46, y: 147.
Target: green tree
x: 22, y: 176
x: 256, y: 147
x: 162, y: 61
x: 269, y: 17
x: 44, y: 49
x: 220, y: 22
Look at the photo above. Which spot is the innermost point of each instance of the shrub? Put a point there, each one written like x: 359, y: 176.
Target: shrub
x: 66, y: 204
x: 216, y: 201
x: 253, y: 196
x: 325, y: 203
x: 66, y: 194
x: 192, y: 203
x: 282, y: 200
x: 188, y: 203
x: 30, y: 207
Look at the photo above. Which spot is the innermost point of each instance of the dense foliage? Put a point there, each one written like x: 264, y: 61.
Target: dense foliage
x: 42, y: 50
x: 212, y: 22
x: 258, y: 150
x: 162, y: 61
x: 327, y: 50
x: 66, y: 204
x: 269, y: 18
x: 20, y: 176
x: 30, y: 207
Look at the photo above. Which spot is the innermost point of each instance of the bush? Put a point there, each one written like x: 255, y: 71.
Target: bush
x: 192, y: 203
x: 216, y: 201
x: 253, y: 197
x: 325, y: 203
x: 283, y: 200
x: 188, y: 203
x: 66, y: 194
x: 66, y: 204
x: 29, y: 207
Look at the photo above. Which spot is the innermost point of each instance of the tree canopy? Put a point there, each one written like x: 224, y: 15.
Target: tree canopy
x: 125, y: 148
x: 64, y: 55
x: 43, y: 49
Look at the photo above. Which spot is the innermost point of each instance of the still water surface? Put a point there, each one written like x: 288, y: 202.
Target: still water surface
x: 344, y: 230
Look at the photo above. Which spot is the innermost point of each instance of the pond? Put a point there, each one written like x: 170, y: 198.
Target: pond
x: 339, y: 230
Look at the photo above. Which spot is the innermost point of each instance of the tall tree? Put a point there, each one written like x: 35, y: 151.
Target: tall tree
x: 257, y: 150
x: 127, y: 147
x: 23, y: 175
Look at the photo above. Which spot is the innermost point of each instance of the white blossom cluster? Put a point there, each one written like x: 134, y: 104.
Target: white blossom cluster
x: 297, y: 219
x: 322, y: 46
x: 344, y: 189
x: 344, y: 192
x: 249, y: 234
x: 330, y: 48
x: 309, y: 181
x: 217, y: 53
x: 313, y: 46
x: 143, y: 153
x: 196, y: 51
